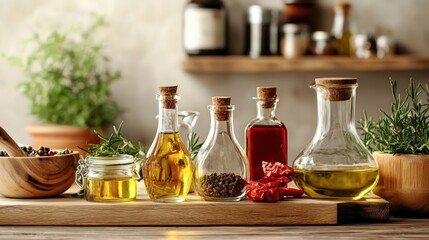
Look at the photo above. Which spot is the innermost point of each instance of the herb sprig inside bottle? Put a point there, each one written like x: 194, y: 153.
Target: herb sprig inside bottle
x: 114, y: 145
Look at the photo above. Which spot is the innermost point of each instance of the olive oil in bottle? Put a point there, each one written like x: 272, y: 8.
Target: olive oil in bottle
x: 342, y: 183
x: 168, y: 167
x: 336, y: 163
x: 121, y: 189
x: 168, y: 171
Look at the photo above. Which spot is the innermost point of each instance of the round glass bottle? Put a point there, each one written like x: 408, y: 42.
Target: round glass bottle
x: 266, y: 136
x: 335, y: 164
x: 221, y: 164
x: 168, y: 168
x: 108, y: 179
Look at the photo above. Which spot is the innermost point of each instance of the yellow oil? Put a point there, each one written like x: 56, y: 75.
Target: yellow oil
x: 111, y: 189
x: 342, y: 183
x: 168, y: 169
x: 344, y: 44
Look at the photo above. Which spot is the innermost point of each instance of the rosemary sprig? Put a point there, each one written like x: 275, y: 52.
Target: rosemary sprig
x: 194, y: 145
x: 115, y: 144
x: 405, y: 129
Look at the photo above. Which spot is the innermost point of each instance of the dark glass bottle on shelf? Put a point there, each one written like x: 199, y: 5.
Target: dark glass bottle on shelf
x: 266, y: 136
x: 205, y: 28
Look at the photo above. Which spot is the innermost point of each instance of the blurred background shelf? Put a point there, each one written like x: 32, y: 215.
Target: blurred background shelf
x: 244, y: 64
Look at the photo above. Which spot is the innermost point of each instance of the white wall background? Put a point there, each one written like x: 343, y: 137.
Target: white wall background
x: 143, y: 39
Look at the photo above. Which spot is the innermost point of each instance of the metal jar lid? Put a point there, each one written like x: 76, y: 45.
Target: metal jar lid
x: 110, y: 160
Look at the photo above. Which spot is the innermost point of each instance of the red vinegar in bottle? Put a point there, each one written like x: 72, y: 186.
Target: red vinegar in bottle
x: 266, y: 136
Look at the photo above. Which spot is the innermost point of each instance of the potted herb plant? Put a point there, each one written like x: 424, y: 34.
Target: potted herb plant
x: 400, y: 141
x: 68, y: 86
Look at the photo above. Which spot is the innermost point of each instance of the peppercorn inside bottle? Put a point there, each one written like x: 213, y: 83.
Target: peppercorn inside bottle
x: 221, y: 164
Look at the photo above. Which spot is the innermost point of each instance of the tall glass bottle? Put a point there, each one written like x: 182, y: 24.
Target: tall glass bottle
x: 168, y: 167
x: 266, y: 136
x: 341, y: 29
x: 205, y: 28
x: 335, y: 164
x: 221, y: 164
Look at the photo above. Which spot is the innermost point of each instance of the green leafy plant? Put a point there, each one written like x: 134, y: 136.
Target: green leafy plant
x: 114, y: 145
x: 68, y: 77
x: 405, y: 130
x: 194, y: 145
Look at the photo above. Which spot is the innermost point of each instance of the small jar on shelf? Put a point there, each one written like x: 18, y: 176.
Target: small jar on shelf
x: 221, y: 165
x: 205, y: 28
x: 322, y: 44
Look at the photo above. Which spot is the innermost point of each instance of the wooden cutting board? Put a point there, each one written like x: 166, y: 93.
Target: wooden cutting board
x: 68, y: 209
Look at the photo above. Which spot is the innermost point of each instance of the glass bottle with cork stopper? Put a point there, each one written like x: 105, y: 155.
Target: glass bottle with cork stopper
x: 221, y: 164
x: 168, y: 168
x: 266, y: 136
x: 335, y: 164
x: 341, y: 29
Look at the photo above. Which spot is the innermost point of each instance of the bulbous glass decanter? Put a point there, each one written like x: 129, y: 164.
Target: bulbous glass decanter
x: 221, y: 164
x: 335, y: 164
x: 168, y: 167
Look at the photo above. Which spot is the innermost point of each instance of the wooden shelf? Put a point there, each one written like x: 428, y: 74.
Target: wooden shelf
x: 244, y: 64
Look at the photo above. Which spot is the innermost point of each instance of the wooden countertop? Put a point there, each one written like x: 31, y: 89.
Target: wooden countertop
x: 396, y: 228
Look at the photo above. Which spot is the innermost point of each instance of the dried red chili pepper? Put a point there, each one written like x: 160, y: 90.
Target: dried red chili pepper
x: 273, y: 186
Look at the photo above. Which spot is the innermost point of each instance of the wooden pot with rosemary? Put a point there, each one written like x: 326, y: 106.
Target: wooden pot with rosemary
x: 400, y: 142
x: 404, y: 182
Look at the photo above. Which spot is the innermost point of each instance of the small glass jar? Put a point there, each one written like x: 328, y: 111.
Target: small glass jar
x: 322, y: 44
x: 108, y: 179
x: 295, y: 40
x: 221, y: 165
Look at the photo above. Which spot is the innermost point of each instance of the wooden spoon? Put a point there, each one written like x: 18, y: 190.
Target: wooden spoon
x: 10, y: 145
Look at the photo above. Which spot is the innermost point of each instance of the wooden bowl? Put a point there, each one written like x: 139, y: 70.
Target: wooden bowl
x: 404, y: 182
x: 35, y: 177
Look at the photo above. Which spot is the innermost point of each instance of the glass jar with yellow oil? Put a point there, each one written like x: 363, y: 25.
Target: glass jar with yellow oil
x: 335, y: 164
x: 167, y: 171
x: 108, y: 179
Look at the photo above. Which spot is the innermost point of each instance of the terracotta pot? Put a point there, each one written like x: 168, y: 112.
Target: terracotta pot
x: 61, y: 137
x: 404, y: 182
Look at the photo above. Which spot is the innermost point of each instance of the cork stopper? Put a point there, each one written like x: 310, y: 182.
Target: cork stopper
x: 267, y: 95
x: 219, y: 102
x: 344, y: 6
x: 338, y: 88
x: 168, y: 92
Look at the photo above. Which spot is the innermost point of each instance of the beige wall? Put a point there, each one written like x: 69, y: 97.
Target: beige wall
x: 144, y: 42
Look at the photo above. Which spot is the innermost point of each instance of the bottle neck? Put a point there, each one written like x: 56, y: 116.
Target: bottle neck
x: 265, y: 110
x: 341, y: 23
x: 335, y: 117
x: 168, y: 120
x: 221, y: 124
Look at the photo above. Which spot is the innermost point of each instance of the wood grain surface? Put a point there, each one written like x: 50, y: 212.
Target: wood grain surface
x: 32, y: 177
x: 69, y: 210
x: 10, y: 145
x: 243, y: 64
x: 396, y: 228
